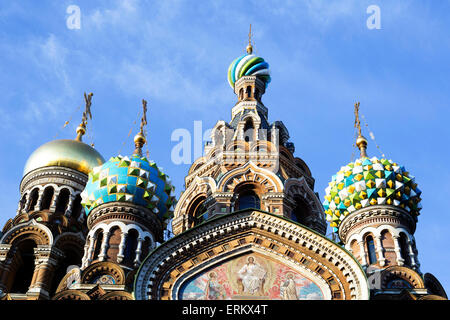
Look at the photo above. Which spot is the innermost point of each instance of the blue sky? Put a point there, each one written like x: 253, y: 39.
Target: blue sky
x: 175, y: 54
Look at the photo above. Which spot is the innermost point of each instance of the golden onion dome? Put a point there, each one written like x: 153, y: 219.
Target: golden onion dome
x: 64, y: 153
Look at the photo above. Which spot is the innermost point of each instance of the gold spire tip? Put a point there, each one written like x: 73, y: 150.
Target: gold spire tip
x: 250, y: 47
x: 139, y: 139
x: 361, y: 141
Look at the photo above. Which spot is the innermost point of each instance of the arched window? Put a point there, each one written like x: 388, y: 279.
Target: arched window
x: 98, y: 245
x: 241, y: 94
x: 22, y: 202
x: 72, y: 257
x: 47, y: 198
x: 34, y: 198
x: 63, y: 201
x: 301, y: 211
x: 248, y: 91
x: 76, y: 208
x: 130, y: 247
x: 404, y: 249
x: 248, y: 199
x: 371, y: 250
x: 248, y: 130
x: 24, y: 266
x: 197, y: 210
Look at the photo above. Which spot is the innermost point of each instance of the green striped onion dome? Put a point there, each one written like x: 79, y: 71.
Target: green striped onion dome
x: 134, y: 180
x: 248, y: 65
x: 367, y: 182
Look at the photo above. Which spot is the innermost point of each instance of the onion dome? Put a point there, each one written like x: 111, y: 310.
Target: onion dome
x: 64, y: 153
x: 248, y: 65
x: 134, y: 180
x: 367, y: 182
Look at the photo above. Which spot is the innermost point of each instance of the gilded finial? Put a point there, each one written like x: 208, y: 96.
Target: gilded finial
x: 361, y: 142
x: 81, y: 129
x: 250, y: 47
x: 139, y: 139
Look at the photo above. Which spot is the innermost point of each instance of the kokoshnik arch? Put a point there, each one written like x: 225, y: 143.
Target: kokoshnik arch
x: 249, y: 224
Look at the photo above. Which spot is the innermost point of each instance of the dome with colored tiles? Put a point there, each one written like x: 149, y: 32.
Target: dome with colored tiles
x: 248, y: 65
x: 366, y: 182
x: 135, y: 180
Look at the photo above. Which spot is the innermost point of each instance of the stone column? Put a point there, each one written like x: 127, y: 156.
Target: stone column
x: 400, y: 260
x: 102, y: 254
x: 46, y: 259
x: 90, y: 250
x: 138, y: 251
x: 69, y: 206
x: 55, y: 198
x: 362, y: 253
x: 123, y: 240
x: 379, y: 249
x: 37, y: 207
x: 412, y: 256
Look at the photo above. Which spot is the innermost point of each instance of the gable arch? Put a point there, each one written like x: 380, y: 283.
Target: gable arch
x: 37, y: 231
x: 250, y: 173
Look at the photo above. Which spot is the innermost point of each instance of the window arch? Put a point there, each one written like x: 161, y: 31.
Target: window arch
x: 247, y: 197
x: 63, y: 201
x: 248, y: 91
x: 97, y: 245
x: 130, y: 247
x: 24, y: 270
x: 370, y: 247
x: 404, y: 249
x: 301, y: 211
x: 241, y: 93
x: 248, y: 130
x: 47, y: 198
x: 72, y: 257
x: 34, y: 198
x: 197, y: 210
x: 22, y: 202
x: 76, y: 208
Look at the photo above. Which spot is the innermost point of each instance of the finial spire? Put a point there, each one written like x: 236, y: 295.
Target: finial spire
x: 361, y: 142
x: 139, y: 139
x: 250, y: 47
x: 81, y: 129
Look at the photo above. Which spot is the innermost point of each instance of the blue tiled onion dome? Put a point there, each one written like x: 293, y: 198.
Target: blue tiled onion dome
x: 248, y: 65
x: 134, y: 180
x: 366, y: 182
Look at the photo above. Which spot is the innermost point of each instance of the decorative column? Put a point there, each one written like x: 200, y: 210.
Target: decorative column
x: 362, y: 253
x: 379, y: 249
x: 138, y: 252
x: 69, y: 206
x: 400, y: 260
x: 37, y: 207
x: 120, y: 256
x: 55, y: 198
x: 102, y: 254
x: 46, y: 258
x: 90, y: 250
x: 412, y: 256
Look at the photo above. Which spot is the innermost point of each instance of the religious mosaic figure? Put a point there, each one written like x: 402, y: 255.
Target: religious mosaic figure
x: 288, y: 290
x: 251, y: 278
x: 214, y: 290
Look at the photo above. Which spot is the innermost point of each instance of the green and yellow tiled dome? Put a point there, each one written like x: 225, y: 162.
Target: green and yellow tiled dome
x: 134, y: 180
x: 367, y: 182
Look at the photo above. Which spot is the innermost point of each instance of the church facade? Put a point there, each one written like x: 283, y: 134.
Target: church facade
x: 248, y: 226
